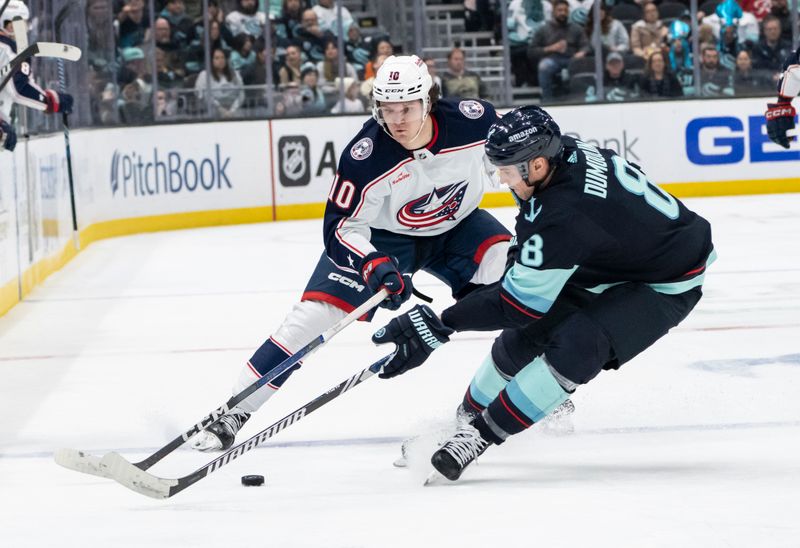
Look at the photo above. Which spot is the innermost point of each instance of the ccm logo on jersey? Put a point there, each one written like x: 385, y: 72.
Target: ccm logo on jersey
x: 345, y: 281
x: 434, y: 208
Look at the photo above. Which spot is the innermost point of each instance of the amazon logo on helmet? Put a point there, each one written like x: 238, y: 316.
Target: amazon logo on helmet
x: 521, y: 135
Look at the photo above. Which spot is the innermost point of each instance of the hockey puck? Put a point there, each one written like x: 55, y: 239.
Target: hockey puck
x: 253, y: 481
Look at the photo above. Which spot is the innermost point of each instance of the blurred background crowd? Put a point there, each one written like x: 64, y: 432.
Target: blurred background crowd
x: 149, y: 61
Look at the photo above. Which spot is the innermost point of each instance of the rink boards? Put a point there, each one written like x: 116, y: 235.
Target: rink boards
x: 130, y: 180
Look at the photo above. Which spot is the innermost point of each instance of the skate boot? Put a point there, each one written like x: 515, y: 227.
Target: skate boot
x: 459, y: 451
x: 221, y: 434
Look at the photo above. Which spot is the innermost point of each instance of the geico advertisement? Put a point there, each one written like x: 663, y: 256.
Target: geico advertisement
x: 179, y: 168
x: 306, y: 154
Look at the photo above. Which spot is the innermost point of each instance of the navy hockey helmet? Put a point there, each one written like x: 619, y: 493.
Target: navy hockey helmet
x: 521, y: 135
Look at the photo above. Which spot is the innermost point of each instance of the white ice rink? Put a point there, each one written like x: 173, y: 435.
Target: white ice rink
x: 696, y: 443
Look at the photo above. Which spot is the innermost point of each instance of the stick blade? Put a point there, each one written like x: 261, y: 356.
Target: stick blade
x: 59, y: 51
x: 125, y: 473
x: 79, y: 461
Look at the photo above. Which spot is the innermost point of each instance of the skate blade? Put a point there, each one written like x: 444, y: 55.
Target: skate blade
x: 434, y: 478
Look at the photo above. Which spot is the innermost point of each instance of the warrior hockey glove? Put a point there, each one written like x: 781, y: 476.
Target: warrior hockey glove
x: 780, y: 119
x: 8, y: 137
x: 378, y: 271
x: 58, y: 102
x: 416, y: 333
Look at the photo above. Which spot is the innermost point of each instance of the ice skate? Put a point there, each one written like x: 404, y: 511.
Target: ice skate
x: 221, y: 435
x: 459, y: 451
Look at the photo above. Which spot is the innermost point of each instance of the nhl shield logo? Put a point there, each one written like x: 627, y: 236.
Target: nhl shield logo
x: 471, y: 109
x: 294, y: 160
x: 362, y: 149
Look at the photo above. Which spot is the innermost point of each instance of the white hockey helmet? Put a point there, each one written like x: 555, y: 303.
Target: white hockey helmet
x: 401, y: 78
x: 15, y: 8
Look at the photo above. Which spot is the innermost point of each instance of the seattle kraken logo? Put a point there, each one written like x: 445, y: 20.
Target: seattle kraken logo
x: 440, y: 205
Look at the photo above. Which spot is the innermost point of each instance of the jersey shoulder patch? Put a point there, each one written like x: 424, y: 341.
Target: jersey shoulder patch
x: 471, y: 109
x: 362, y: 149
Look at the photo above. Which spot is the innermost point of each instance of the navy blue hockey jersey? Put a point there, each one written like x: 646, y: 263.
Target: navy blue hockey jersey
x: 598, y: 223
x: 380, y: 184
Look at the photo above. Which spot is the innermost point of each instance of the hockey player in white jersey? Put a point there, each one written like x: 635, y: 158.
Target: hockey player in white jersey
x: 405, y: 198
x: 781, y: 114
x: 20, y: 88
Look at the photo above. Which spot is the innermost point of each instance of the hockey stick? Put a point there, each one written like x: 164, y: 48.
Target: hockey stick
x: 131, y: 476
x: 62, y: 84
x: 88, y: 464
x: 39, y: 49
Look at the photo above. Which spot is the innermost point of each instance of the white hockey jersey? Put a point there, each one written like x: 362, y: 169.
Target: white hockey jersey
x: 20, y: 88
x: 380, y: 184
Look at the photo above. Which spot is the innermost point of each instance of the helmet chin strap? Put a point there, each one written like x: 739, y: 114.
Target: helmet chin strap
x: 544, y: 180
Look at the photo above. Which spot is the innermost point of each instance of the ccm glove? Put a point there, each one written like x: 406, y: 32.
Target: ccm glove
x: 8, y: 137
x: 416, y: 333
x: 58, y: 102
x: 378, y: 271
x: 780, y: 119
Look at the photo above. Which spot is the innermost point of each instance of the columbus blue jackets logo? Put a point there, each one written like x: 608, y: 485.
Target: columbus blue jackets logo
x: 440, y: 205
x: 362, y: 149
x: 294, y: 160
x: 471, y: 109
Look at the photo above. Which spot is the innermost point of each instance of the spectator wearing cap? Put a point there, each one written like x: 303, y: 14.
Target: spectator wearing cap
x: 224, y: 83
x: 553, y: 45
x: 715, y: 80
x: 649, y: 33
x: 327, y: 11
x: 618, y: 85
x: 246, y: 19
x: 312, y: 38
x: 134, y: 69
x: 132, y: 24
x: 328, y: 69
x: 351, y: 104
x: 457, y: 81
x: 181, y: 25
x: 313, y: 100
x: 658, y: 80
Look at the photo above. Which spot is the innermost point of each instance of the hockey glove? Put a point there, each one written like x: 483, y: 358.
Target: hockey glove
x: 8, y: 137
x: 378, y: 271
x: 780, y: 119
x: 416, y: 333
x: 58, y: 102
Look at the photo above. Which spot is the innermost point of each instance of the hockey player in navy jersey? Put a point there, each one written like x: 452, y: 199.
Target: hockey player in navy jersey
x: 21, y: 89
x: 606, y: 264
x: 405, y: 198
x: 781, y: 114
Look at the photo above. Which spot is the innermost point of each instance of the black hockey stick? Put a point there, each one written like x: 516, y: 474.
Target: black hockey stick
x: 83, y: 462
x: 131, y: 476
x: 62, y: 84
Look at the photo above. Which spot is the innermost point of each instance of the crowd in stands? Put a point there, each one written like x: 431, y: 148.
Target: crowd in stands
x: 646, y: 52
x: 646, y: 48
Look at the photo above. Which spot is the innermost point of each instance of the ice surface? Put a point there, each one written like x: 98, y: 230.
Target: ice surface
x: 696, y: 443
